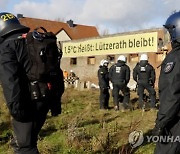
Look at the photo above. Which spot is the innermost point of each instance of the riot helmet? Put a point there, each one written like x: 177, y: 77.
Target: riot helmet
x: 104, y: 62
x: 172, y: 25
x: 144, y: 57
x: 9, y: 24
x: 121, y: 58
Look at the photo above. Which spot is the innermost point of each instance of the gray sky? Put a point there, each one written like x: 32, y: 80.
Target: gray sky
x: 112, y: 15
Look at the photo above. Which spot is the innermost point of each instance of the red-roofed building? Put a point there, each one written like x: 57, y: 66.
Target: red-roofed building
x: 63, y: 31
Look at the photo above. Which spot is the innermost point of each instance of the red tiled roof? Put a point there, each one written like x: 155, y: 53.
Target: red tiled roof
x: 76, y: 32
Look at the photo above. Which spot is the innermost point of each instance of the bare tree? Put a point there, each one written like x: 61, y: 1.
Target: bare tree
x: 102, y: 32
x: 105, y: 32
x: 60, y: 19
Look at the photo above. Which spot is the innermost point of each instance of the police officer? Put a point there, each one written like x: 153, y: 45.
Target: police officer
x: 168, y: 117
x: 103, y: 77
x: 144, y: 75
x: 119, y: 75
x: 28, y: 116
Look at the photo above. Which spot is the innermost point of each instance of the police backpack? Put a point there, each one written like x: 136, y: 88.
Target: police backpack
x: 43, y: 53
x: 44, y: 56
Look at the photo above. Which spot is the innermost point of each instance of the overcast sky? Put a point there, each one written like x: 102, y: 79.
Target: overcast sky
x: 112, y: 15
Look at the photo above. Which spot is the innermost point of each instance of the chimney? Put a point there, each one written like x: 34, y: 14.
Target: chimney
x: 19, y: 16
x: 70, y: 23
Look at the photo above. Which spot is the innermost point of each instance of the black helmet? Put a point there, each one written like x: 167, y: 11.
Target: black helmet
x: 173, y: 26
x: 9, y: 23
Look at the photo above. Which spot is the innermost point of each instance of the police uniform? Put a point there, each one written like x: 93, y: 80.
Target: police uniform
x: 28, y: 116
x: 144, y: 75
x: 103, y: 76
x: 119, y: 75
x: 168, y: 116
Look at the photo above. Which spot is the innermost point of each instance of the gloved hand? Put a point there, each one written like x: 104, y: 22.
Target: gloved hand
x: 161, y: 132
x: 151, y: 82
x: 156, y: 131
x: 104, y: 89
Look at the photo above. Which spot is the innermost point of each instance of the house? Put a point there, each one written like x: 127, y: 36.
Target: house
x: 64, y: 31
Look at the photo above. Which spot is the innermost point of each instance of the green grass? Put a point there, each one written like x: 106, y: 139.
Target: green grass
x: 84, y: 129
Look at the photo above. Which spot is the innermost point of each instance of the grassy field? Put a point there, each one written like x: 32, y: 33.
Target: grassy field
x: 84, y: 129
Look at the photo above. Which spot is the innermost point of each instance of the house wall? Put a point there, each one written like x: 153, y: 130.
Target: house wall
x: 62, y: 36
x: 87, y: 72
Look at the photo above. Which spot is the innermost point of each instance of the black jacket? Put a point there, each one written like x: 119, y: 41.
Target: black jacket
x: 14, y: 64
x: 103, y: 76
x: 145, y: 72
x: 119, y: 73
x: 169, y: 89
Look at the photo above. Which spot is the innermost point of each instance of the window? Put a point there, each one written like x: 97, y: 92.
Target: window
x: 160, y: 43
x: 133, y: 57
x: 73, y: 61
x: 111, y: 58
x: 91, y: 60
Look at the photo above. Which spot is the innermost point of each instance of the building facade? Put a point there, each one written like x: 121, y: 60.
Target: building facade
x: 86, y: 65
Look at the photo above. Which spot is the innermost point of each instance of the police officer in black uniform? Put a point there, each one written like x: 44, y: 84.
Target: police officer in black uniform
x: 103, y: 76
x: 144, y: 75
x: 168, y: 117
x: 28, y: 116
x: 119, y: 75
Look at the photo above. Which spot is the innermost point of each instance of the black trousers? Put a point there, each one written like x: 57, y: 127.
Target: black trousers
x: 26, y: 133
x: 116, y: 94
x: 152, y: 94
x: 104, y: 98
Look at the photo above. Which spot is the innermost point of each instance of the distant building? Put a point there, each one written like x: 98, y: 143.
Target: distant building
x: 83, y: 56
x: 64, y: 31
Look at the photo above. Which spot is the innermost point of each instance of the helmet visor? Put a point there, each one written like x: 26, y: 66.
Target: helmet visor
x: 167, y: 37
x: 106, y: 64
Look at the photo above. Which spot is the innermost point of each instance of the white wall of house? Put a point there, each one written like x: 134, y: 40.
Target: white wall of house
x: 62, y: 36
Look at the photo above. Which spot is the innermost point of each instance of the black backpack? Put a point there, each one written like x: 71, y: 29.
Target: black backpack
x: 45, y: 74
x: 44, y: 54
